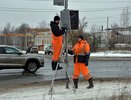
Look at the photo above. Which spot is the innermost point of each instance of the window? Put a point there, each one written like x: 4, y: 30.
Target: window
x: 2, y: 51
x: 10, y: 50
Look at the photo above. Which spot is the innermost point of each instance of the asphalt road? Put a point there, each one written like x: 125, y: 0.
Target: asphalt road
x: 99, y: 68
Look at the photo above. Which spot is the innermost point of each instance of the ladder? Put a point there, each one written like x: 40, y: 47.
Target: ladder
x: 66, y: 70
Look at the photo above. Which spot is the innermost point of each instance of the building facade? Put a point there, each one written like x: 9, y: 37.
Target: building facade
x: 43, y: 40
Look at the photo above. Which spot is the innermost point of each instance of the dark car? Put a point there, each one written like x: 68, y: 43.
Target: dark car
x: 49, y: 50
x: 13, y: 58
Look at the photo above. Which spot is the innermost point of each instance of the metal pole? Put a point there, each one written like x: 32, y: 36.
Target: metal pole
x: 66, y: 39
x: 107, y: 23
x: 66, y: 4
x: 5, y: 38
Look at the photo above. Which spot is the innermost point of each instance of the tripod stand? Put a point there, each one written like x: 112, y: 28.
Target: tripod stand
x: 66, y: 69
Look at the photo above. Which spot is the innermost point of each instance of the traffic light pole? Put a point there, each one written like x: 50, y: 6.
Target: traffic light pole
x: 66, y: 4
x: 66, y: 43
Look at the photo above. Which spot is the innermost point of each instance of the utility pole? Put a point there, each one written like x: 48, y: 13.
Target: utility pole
x: 107, y: 24
x: 5, y: 38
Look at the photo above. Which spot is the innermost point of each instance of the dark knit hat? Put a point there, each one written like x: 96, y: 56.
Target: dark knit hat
x: 56, y: 18
x: 81, y: 36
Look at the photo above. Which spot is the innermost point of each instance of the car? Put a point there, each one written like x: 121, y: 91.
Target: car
x: 13, y: 58
x: 34, y: 50
x: 49, y: 50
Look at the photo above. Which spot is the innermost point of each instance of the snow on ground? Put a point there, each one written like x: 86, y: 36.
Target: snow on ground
x: 104, y: 54
x: 112, y: 54
x: 108, y: 54
x: 101, y: 91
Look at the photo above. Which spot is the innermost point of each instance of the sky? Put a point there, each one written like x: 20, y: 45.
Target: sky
x: 32, y: 12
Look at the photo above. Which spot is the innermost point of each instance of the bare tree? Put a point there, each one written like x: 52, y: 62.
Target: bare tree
x: 112, y: 36
x: 23, y: 28
x: 42, y: 25
x: 82, y: 25
x: 22, y: 41
x: 96, y: 38
x: 7, y: 30
x: 72, y: 37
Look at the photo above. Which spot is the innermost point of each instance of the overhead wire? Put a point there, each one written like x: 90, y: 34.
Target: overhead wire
x: 81, y: 1
x: 53, y: 10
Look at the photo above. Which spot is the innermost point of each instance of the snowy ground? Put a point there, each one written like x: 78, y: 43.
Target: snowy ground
x: 105, y: 54
x: 112, y: 54
x: 103, y: 90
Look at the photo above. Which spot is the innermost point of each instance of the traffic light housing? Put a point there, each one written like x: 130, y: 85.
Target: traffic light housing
x: 70, y: 19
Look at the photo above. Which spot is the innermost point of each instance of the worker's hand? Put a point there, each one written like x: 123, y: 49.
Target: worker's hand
x: 64, y: 28
x: 86, y: 63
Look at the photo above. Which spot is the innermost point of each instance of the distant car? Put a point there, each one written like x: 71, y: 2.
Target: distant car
x: 49, y: 50
x: 34, y: 50
x: 13, y: 58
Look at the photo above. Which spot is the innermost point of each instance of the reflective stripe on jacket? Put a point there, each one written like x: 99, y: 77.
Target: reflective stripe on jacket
x: 80, y: 49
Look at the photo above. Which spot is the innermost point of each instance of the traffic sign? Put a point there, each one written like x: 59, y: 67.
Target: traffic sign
x: 58, y: 2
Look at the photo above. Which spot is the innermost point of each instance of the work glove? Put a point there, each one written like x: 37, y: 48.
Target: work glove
x: 63, y: 28
x: 87, y: 55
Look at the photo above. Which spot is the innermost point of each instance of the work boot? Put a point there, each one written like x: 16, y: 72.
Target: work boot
x: 90, y: 83
x: 75, y: 83
x: 59, y: 68
x: 54, y: 64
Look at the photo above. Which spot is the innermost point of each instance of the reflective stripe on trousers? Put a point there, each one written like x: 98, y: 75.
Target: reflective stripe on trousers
x: 81, y: 68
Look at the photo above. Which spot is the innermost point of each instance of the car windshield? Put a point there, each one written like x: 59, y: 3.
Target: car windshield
x: 10, y: 50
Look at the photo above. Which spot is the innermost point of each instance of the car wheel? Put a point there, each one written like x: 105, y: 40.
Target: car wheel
x: 31, y: 66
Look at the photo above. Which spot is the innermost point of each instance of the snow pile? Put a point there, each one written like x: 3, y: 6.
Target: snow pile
x: 101, y: 91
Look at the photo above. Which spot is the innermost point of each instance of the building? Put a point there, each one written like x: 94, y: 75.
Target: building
x: 35, y: 36
x: 43, y: 40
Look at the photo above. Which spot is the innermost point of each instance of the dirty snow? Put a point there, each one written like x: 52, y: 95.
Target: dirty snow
x: 101, y: 91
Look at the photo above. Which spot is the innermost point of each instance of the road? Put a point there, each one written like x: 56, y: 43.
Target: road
x: 99, y: 68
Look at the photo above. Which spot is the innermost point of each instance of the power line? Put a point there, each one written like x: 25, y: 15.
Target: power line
x: 106, y: 9
x: 51, y: 10
x: 83, y: 1
x: 107, y: 2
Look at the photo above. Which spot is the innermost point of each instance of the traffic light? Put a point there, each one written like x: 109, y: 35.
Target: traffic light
x: 70, y: 19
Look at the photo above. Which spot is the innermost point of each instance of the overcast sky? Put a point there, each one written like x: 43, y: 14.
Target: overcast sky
x: 34, y: 11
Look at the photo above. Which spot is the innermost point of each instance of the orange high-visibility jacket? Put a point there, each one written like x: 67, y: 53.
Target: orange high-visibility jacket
x: 81, y: 48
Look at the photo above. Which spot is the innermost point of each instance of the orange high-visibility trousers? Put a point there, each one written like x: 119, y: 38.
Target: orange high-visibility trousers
x: 81, y: 68
x: 56, y: 46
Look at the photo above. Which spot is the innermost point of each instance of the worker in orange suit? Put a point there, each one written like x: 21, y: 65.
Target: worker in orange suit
x: 81, y: 51
x: 57, y: 38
